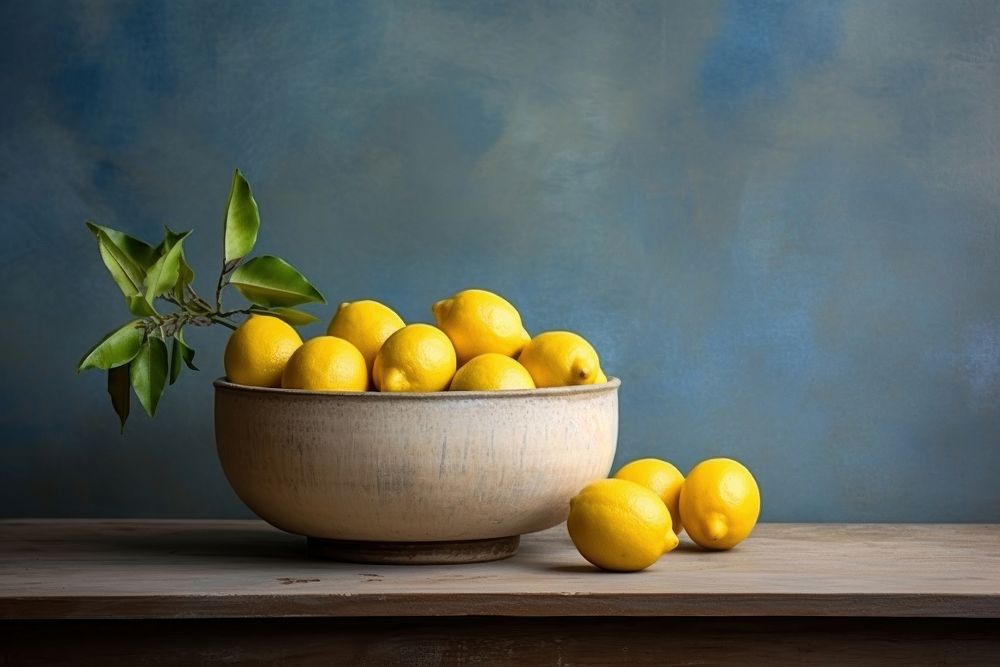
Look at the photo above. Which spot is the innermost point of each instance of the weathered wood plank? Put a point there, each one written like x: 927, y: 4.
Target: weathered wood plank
x: 210, y: 569
x: 502, y: 641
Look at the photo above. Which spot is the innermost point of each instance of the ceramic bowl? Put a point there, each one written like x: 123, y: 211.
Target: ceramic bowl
x: 414, y: 478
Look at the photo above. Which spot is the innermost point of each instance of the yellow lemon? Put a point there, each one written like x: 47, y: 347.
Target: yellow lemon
x: 366, y: 325
x: 491, y: 371
x: 478, y: 321
x: 258, y: 350
x: 620, y: 525
x: 326, y: 363
x: 719, y: 503
x: 418, y: 357
x: 559, y: 358
x: 601, y: 377
x: 660, y: 477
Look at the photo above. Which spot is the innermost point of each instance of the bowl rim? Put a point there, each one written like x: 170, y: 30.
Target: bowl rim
x: 611, y: 385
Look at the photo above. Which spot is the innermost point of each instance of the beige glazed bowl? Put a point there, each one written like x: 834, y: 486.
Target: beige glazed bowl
x: 414, y: 478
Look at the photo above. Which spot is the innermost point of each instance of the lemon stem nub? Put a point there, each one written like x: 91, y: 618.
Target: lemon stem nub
x: 441, y: 307
x: 718, y: 527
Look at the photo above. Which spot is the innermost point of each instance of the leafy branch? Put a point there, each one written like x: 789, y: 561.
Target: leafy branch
x: 135, y: 354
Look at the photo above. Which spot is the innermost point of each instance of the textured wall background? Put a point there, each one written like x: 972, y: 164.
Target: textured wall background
x: 779, y: 222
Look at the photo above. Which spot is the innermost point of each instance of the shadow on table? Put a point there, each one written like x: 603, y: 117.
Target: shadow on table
x: 576, y: 569
x: 187, y: 541
x: 685, y: 546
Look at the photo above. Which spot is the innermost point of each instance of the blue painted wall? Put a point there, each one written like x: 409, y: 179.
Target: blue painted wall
x: 779, y: 222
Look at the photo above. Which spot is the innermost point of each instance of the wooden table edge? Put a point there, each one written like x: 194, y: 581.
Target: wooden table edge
x: 922, y: 605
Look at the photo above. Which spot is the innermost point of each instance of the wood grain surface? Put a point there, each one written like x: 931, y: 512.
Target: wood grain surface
x: 52, y: 569
x: 493, y: 642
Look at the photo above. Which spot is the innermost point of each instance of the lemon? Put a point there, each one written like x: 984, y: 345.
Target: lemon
x: 326, y: 363
x: 258, y: 350
x: 418, y: 357
x: 620, y: 525
x: 491, y: 371
x: 559, y: 358
x: 601, y: 377
x: 478, y: 321
x: 660, y: 477
x: 365, y: 324
x: 719, y: 503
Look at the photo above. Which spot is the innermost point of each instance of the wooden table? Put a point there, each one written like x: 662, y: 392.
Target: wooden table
x: 193, y: 592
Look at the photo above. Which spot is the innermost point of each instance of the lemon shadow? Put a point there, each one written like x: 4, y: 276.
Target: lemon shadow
x: 582, y: 569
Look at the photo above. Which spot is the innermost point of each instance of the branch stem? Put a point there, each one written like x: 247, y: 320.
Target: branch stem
x: 227, y: 268
x: 218, y: 290
x: 230, y: 313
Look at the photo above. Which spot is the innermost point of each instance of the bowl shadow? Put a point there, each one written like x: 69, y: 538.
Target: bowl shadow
x: 187, y: 543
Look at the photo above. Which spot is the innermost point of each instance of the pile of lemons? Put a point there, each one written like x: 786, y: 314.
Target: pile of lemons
x: 624, y: 524
x: 479, y: 344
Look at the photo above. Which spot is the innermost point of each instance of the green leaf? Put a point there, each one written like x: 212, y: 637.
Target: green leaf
x: 140, y: 252
x: 116, y: 349
x: 126, y: 273
x: 272, y: 282
x: 148, y: 373
x: 242, y: 220
x: 180, y: 352
x: 170, y: 239
x: 188, y: 351
x: 185, y: 274
x: 294, y: 317
x: 138, y: 306
x: 123, y: 267
x: 118, y: 384
x: 175, y: 361
x: 163, y: 275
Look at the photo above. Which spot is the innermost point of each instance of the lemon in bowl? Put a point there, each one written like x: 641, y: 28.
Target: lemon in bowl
x: 259, y: 349
x: 478, y: 321
x: 326, y: 363
x: 366, y: 324
x: 492, y: 372
x: 560, y: 358
x: 416, y: 358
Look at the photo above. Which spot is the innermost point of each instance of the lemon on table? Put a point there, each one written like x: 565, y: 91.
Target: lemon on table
x: 491, y: 372
x: 620, y: 525
x: 560, y: 358
x: 719, y: 503
x: 478, y: 321
x: 365, y: 324
x: 660, y: 477
x: 258, y: 350
x: 326, y: 363
x: 418, y: 357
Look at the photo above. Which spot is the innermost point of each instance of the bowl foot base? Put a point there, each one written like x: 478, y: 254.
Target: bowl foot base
x: 414, y: 553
